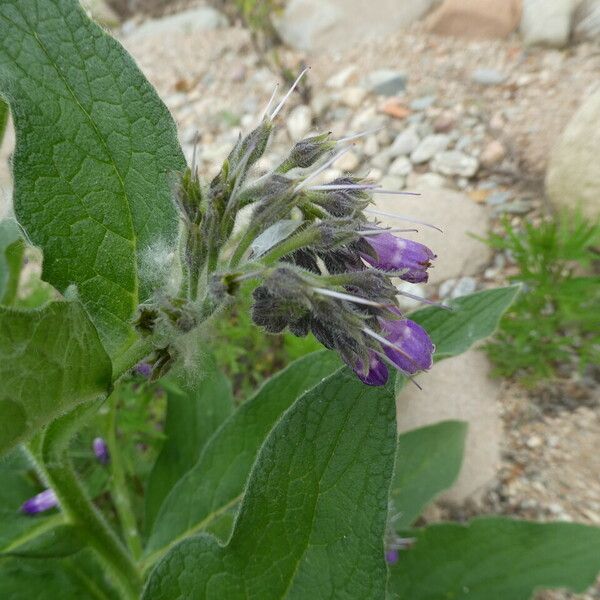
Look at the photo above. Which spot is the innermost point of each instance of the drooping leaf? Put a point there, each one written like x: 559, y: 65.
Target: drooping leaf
x: 313, y: 517
x: 428, y: 461
x: 194, y: 413
x: 495, y: 559
x: 75, y: 578
x: 56, y: 542
x: 217, y: 480
x: 51, y: 360
x: 471, y: 319
x: 11, y: 260
x: 95, y: 150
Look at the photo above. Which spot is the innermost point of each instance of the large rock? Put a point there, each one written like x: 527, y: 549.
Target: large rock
x: 445, y: 396
x: 547, y: 22
x: 329, y: 25
x: 457, y: 215
x: 476, y: 19
x: 203, y: 18
x: 573, y: 177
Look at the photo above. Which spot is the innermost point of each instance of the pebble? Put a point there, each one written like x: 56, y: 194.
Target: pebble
x: 382, y: 159
x: 401, y: 166
x: 423, y: 103
x: 488, y: 77
x: 393, y: 107
x: 405, y: 303
x: 444, y: 122
x: 454, y: 162
x: 426, y: 181
x: 386, y: 82
x: 339, y: 80
x: 299, y: 122
x: 492, y: 154
x: 393, y: 182
x: 405, y: 142
x: 429, y: 147
x: 454, y: 288
x: 518, y: 207
x: 371, y: 146
x: 534, y: 442
x: 347, y: 162
x: 498, y: 198
x: 354, y: 96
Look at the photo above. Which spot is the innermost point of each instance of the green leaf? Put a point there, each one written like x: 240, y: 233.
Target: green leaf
x: 75, y: 578
x: 217, y: 480
x: 12, y: 247
x: 495, y: 559
x: 94, y: 154
x: 194, y: 413
x: 51, y: 360
x: 57, y: 542
x: 3, y: 119
x: 428, y: 461
x: 473, y: 318
x: 312, y: 521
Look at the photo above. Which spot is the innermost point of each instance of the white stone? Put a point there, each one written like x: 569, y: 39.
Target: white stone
x: 347, y: 162
x: 421, y: 181
x: 203, y: 18
x: 573, y: 176
x: 455, y: 163
x: 459, y: 254
x: 429, y: 147
x: 459, y: 388
x: 299, y: 122
x: 101, y: 12
x: 331, y: 25
x: 340, y: 79
x: 354, y: 96
x: 455, y: 288
x: 587, y: 21
x: 406, y: 142
x: 371, y: 146
x: 401, y: 166
x: 546, y: 22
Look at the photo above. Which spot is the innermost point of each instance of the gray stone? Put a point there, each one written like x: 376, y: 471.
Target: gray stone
x: 488, y: 77
x: 455, y: 163
x: 348, y: 162
x: 455, y: 288
x: 573, y: 176
x: 447, y: 396
x: 401, y: 166
x: 459, y: 254
x: 299, y: 122
x: 405, y: 143
x: 386, y: 82
x: 332, y: 25
x: 429, y: 147
x: 423, y: 103
x: 204, y: 18
x: 587, y: 21
x: 546, y: 22
x: 426, y: 181
x: 498, y: 198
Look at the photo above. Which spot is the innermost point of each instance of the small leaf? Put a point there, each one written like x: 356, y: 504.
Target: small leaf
x: 95, y: 149
x: 57, y: 542
x: 217, y: 480
x: 428, y: 461
x: 12, y: 247
x: 194, y: 413
x: 51, y: 360
x: 472, y: 319
x: 312, y: 521
x: 273, y: 236
x: 495, y: 559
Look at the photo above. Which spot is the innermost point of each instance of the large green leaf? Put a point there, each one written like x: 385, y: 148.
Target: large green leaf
x: 428, y: 461
x: 471, y: 319
x: 194, y: 413
x: 217, y: 481
x: 312, y: 521
x: 495, y: 559
x: 11, y: 260
x: 94, y: 154
x: 51, y: 359
x: 55, y: 542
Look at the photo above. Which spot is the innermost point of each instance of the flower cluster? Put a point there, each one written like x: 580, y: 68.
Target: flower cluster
x: 321, y: 261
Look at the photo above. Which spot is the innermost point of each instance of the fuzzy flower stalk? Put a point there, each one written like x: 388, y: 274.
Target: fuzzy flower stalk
x: 320, y: 261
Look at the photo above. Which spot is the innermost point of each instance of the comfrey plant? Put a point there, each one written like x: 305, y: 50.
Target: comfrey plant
x: 303, y: 491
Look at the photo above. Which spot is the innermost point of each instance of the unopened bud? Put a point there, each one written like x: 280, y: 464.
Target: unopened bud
x: 307, y: 152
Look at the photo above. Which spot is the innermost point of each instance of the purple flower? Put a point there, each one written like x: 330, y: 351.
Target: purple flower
x: 43, y: 501
x: 100, y: 449
x: 376, y: 374
x: 392, y: 556
x: 415, y: 349
x: 143, y: 369
x: 399, y: 254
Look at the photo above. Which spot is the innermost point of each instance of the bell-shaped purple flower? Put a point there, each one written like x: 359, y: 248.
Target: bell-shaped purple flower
x: 41, y: 502
x: 399, y: 254
x: 414, y: 351
x: 392, y: 556
x: 375, y: 375
x: 144, y: 369
x: 100, y: 448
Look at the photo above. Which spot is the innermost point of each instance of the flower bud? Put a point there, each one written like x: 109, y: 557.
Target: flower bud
x: 415, y: 349
x: 189, y: 197
x: 40, y: 503
x: 376, y: 374
x: 100, y: 448
x: 398, y: 254
x: 307, y: 152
